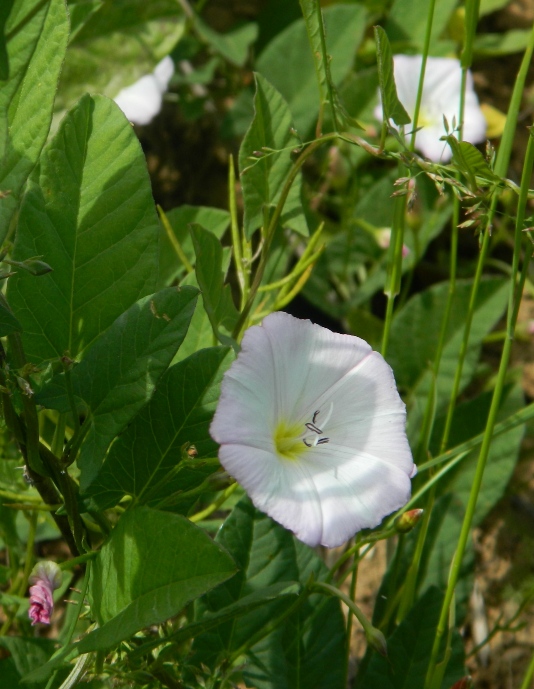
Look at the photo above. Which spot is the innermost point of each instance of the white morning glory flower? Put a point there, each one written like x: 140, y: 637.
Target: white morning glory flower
x: 441, y: 96
x: 141, y: 101
x: 310, y: 423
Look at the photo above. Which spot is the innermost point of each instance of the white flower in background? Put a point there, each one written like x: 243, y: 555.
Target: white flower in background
x: 141, y: 101
x: 310, y: 423
x: 441, y: 96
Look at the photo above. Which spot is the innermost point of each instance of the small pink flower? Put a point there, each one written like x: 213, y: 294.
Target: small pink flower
x: 45, y: 577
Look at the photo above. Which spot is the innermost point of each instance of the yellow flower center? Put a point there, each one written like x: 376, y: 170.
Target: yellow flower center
x: 288, y: 441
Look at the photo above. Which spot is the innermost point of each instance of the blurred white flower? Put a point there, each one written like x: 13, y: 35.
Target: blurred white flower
x: 311, y: 425
x: 441, y: 96
x: 141, y: 101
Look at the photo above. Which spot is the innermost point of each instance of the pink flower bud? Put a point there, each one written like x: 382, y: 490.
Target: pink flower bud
x: 45, y: 578
x: 408, y: 520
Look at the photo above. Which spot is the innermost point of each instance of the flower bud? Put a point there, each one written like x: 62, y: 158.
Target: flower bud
x: 408, y: 520
x: 46, y: 577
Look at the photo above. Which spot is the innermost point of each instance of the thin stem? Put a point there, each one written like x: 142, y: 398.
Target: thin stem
x: 271, y: 228
x: 426, y: 46
x: 492, y: 416
x: 199, y: 516
x: 352, y: 594
x: 236, y: 235
x: 395, y: 265
x: 174, y: 240
x: 325, y: 58
x: 467, y: 331
x: 72, y: 400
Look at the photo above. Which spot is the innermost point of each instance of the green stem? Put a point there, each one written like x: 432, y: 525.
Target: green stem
x: 174, y: 240
x: 80, y: 560
x: 352, y: 595
x: 467, y: 331
x: 199, y: 516
x: 72, y: 401
x: 395, y: 265
x: 426, y: 46
x: 492, y: 416
x: 270, y: 627
x: 325, y: 59
x: 271, y: 229
x: 236, y: 235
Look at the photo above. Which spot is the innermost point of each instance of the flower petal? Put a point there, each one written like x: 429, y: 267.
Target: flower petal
x: 349, y: 464
x: 141, y: 101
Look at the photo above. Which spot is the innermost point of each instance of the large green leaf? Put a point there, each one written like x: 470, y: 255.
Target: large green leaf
x: 392, y: 108
x: 303, y: 652
x: 89, y: 213
x: 263, y: 177
x: 120, y: 371
x: 37, y: 33
x: 153, y: 564
x: 146, y: 461
x: 409, y: 649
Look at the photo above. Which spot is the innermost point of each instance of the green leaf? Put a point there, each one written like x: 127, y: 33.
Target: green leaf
x: 306, y: 649
x: 471, y: 163
x: 8, y: 322
x: 255, y: 600
x: 418, y: 323
x: 345, y: 25
x: 354, y: 249
x: 263, y: 177
x: 25, y: 655
x: 216, y: 296
x: 120, y: 371
x: 392, y: 108
x: 233, y: 45
x: 89, y: 214
x: 409, y: 649
x: 469, y: 420
x: 216, y: 220
x: 199, y: 336
x: 37, y: 34
x: 80, y: 13
x: 153, y: 565
x: 407, y: 20
x: 146, y: 461
x: 498, y: 44
x: 5, y: 10
x: 313, y: 19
